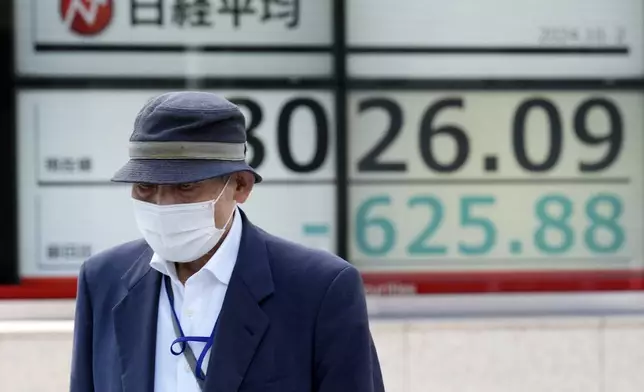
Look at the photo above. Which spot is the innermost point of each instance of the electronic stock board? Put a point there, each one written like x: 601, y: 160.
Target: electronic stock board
x: 384, y: 140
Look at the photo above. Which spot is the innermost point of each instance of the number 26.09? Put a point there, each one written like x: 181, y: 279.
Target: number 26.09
x: 429, y: 132
x: 422, y: 244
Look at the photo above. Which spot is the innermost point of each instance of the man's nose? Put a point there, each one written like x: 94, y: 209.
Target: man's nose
x: 165, y: 196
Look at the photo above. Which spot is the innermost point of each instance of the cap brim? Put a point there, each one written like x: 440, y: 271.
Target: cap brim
x: 161, y: 171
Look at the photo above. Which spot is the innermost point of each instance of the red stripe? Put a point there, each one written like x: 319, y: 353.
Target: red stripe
x: 487, y: 282
x: 388, y: 283
x: 40, y: 288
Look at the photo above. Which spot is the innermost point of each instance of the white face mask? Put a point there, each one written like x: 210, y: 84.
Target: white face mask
x: 180, y: 232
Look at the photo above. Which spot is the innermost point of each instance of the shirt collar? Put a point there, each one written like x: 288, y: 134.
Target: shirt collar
x: 221, y: 264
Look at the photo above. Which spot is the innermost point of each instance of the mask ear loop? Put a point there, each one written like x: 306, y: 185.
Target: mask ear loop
x: 230, y: 217
x: 234, y: 208
x: 222, y: 191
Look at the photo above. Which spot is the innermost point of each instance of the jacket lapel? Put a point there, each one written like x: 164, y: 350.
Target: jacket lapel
x: 135, y: 325
x: 242, y: 323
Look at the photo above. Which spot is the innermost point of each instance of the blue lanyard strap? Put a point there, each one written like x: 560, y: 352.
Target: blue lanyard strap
x: 183, y: 340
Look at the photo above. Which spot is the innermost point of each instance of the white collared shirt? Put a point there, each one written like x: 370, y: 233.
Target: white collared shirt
x: 197, y: 305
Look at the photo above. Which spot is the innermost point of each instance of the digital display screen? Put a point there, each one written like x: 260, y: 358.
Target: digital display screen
x: 72, y: 142
x: 214, y: 38
x: 450, y: 180
x: 505, y: 39
x: 435, y: 145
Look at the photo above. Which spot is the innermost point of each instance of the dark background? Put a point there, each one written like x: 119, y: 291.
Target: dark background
x: 8, y: 211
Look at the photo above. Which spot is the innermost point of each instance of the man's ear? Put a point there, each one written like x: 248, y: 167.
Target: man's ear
x: 244, y: 182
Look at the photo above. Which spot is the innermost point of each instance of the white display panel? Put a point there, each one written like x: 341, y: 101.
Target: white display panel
x: 504, y: 39
x: 64, y: 128
x: 215, y: 38
x: 69, y: 224
x: 496, y: 180
x: 71, y: 142
x: 66, y: 225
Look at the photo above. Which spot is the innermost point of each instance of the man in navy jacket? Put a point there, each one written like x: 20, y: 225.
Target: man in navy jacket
x: 207, y: 301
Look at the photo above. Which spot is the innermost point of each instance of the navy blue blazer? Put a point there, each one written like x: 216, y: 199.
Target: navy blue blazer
x: 294, y: 319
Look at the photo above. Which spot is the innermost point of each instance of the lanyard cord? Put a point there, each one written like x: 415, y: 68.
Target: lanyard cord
x: 183, y: 340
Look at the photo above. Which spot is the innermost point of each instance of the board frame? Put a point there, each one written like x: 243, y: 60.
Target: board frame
x: 341, y: 85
